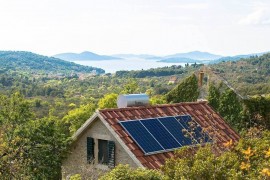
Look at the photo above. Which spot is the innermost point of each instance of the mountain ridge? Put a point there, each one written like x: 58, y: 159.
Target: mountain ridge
x: 196, y: 55
x: 188, y: 57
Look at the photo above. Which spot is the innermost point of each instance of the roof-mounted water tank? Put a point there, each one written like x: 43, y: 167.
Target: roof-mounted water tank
x: 129, y: 100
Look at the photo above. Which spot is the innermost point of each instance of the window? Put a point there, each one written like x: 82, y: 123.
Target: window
x: 105, y: 154
x: 90, y: 149
x: 102, y: 151
x: 106, y: 150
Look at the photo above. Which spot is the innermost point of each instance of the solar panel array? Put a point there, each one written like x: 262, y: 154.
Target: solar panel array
x: 165, y: 133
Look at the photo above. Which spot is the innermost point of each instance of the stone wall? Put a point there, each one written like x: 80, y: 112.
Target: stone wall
x: 76, y: 162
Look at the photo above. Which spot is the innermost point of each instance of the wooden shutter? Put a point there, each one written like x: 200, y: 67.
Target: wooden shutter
x: 111, y: 154
x: 90, y: 149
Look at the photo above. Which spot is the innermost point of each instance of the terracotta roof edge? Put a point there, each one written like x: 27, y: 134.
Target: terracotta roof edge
x: 132, y: 156
x: 152, y: 106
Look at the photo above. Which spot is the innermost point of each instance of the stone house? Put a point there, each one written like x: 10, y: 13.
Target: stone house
x: 105, y: 141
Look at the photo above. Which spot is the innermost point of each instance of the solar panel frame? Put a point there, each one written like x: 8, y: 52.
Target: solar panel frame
x: 163, y: 136
x: 174, y: 132
x: 184, y: 120
x: 136, y: 139
x: 163, y: 149
x: 203, y: 134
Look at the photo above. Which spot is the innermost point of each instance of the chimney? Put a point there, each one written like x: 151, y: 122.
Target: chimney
x: 201, y: 75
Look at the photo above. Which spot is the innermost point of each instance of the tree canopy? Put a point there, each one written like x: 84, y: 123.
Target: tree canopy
x: 108, y: 101
x: 186, y: 91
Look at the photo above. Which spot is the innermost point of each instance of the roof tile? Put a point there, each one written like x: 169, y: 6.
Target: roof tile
x: 200, y: 111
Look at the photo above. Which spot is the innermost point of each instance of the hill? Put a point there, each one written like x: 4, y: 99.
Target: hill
x: 33, y: 63
x: 84, y: 56
x: 157, y: 72
x: 196, y: 55
x: 235, y: 58
x: 249, y: 76
x: 190, y: 57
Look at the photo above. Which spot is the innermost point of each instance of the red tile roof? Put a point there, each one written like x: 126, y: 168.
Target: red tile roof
x: 201, y: 112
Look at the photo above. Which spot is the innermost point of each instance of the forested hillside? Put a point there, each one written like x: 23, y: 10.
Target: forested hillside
x: 249, y: 76
x: 33, y: 63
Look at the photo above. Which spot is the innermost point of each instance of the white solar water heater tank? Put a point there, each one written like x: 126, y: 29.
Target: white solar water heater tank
x: 128, y: 100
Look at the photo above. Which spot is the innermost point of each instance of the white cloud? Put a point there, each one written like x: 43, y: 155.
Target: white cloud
x: 259, y: 16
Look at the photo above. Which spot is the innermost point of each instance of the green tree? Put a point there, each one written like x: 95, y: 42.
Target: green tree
x: 29, y: 148
x: 249, y: 159
x: 108, y: 101
x: 186, y: 91
x: 130, y: 88
x: 76, y: 117
x: 158, y: 99
x: 230, y: 108
x: 14, y: 109
x: 202, y: 164
x: 45, y: 148
x: 125, y: 172
x: 257, y: 111
x: 213, y: 96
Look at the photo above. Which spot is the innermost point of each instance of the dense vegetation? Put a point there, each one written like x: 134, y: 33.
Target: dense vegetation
x: 163, y: 71
x: 249, y: 159
x: 30, y: 148
x: 186, y: 91
x: 249, y: 76
x: 39, y: 112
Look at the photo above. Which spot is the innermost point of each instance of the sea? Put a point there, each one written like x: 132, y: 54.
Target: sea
x: 111, y: 66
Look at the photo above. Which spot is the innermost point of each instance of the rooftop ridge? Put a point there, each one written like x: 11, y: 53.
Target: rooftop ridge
x: 152, y: 106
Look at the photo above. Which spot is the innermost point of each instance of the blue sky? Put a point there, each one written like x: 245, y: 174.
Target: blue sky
x: 160, y: 27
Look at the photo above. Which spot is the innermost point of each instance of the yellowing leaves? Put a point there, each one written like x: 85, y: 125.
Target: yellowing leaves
x: 266, y: 172
x: 248, y: 152
x: 244, y: 166
x: 267, y: 153
x: 228, y: 144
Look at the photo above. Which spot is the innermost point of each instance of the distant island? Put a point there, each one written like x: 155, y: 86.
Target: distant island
x: 204, y: 57
x: 189, y: 57
x: 84, y: 56
x: 196, y: 55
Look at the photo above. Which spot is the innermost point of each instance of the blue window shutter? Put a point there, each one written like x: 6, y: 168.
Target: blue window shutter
x: 111, y: 154
x: 90, y: 149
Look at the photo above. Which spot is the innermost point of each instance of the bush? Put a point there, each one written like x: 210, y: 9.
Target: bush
x: 124, y: 172
x: 249, y: 159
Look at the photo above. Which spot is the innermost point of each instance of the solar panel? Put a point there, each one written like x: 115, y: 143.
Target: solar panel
x: 184, y: 120
x: 201, y: 136
x: 175, y: 128
x: 160, y: 133
x: 164, y: 133
x: 141, y: 136
x: 194, y: 129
